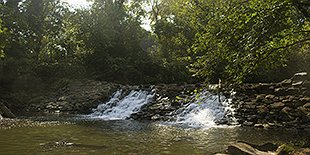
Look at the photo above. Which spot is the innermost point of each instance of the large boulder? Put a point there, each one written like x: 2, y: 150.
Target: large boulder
x: 241, y: 148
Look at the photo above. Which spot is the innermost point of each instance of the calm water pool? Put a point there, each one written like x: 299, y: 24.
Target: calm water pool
x: 84, y: 136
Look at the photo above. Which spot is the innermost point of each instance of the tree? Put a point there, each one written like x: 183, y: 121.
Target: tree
x: 235, y: 39
x: 3, y: 36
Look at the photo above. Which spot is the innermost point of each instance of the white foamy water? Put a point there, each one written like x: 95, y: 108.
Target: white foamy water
x: 119, y: 108
x: 206, y: 111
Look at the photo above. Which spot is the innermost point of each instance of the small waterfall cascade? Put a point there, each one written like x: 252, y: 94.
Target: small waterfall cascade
x: 206, y: 110
x: 120, y: 107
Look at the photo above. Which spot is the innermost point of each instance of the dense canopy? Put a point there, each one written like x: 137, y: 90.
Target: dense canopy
x: 190, y: 41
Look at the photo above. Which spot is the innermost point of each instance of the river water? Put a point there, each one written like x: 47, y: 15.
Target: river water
x: 109, y: 131
x: 79, y: 135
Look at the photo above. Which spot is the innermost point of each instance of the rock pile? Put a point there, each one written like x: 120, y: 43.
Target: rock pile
x: 75, y: 97
x: 284, y: 104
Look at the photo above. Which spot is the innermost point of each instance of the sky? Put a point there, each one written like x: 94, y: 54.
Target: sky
x: 78, y: 3
x: 85, y: 3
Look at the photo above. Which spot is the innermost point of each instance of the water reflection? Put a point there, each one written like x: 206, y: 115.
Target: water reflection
x: 83, y: 136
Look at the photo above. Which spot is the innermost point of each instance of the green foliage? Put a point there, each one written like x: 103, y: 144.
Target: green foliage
x: 106, y: 40
x: 2, y: 39
x: 235, y: 39
x: 3, y: 36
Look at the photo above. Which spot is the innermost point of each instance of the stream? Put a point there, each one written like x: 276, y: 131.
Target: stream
x: 75, y: 135
x: 108, y: 130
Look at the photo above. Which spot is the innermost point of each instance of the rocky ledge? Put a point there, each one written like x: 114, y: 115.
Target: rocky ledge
x: 63, y: 96
x: 283, y: 104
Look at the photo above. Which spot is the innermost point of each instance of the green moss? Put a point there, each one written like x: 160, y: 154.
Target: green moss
x: 285, y: 149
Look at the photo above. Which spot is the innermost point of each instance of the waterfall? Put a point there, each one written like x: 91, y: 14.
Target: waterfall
x: 205, y: 110
x: 202, y: 110
x: 119, y: 107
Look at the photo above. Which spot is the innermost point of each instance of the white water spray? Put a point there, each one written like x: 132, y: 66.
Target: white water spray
x: 119, y: 108
x: 203, y: 111
x: 206, y: 111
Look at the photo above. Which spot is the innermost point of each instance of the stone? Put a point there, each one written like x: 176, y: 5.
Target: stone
x: 285, y: 117
x: 270, y: 97
x: 277, y: 105
x: 305, y: 99
x: 262, y: 109
x: 1, y: 117
x: 291, y: 98
x: 260, y: 98
x: 300, y: 76
x: 297, y: 103
x: 307, y: 106
x: 280, y: 91
x: 248, y: 123
x: 286, y: 82
x: 63, y: 98
x: 156, y: 117
x: 287, y: 101
x: 304, y: 113
x: 249, y: 105
x: 259, y: 126
x: 297, y: 84
x: 245, y: 149
x: 286, y: 110
x: 292, y: 91
x: 272, y: 88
